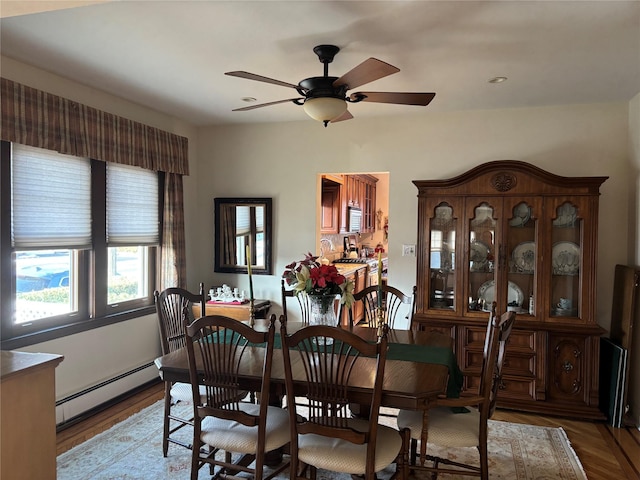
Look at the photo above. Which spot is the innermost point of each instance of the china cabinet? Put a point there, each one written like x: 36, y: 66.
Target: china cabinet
x: 510, y: 232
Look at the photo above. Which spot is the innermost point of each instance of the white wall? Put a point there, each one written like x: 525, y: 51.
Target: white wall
x: 99, y: 355
x: 281, y: 161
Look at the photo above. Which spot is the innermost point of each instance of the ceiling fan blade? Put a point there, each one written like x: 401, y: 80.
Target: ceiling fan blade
x: 345, y: 116
x: 252, y: 107
x: 400, y: 98
x: 260, y: 78
x: 368, y: 71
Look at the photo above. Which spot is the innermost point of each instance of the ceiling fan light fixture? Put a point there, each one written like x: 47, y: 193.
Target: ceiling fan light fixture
x: 324, y: 109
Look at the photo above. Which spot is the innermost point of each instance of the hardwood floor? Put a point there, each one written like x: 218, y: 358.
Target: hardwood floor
x: 606, y: 453
x: 84, y: 430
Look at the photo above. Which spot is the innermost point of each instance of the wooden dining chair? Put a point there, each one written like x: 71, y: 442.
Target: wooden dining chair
x: 446, y: 426
x: 218, y: 347
x: 170, y: 305
x: 326, y: 436
x: 392, y: 300
x: 302, y: 300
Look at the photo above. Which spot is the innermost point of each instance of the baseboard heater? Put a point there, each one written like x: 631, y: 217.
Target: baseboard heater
x: 81, y: 405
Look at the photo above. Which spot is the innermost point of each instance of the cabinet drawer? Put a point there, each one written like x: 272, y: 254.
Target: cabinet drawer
x: 522, y: 341
x: 473, y: 337
x: 449, y: 330
x: 517, y: 388
x: 514, y: 364
x: 510, y: 388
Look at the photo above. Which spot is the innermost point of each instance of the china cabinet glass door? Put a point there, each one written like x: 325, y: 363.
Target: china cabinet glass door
x: 566, y: 258
x: 442, y: 255
x: 482, y: 257
x: 521, y: 254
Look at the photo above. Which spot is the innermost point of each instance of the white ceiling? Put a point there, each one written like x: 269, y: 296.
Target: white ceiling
x: 172, y: 55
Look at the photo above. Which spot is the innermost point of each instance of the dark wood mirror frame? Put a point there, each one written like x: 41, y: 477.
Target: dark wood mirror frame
x: 227, y: 241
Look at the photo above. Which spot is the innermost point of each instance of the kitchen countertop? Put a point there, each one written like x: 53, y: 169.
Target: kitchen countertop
x: 349, y: 268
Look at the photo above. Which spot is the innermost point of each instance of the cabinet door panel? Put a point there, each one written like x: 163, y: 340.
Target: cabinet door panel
x: 567, y: 367
x: 569, y: 261
x: 439, y: 231
x: 330, y: 210
x: 481, y: 249
x: 521, y: 253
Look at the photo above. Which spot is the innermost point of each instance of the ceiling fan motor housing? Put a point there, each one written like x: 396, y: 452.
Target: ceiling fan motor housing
x: 317, y: 87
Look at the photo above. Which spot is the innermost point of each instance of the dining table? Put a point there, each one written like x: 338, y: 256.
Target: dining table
x: 420, y: 367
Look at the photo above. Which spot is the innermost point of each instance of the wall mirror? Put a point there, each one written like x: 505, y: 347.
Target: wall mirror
x: 242, y: 223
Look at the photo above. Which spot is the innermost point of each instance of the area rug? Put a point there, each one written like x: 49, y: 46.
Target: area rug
x: 132, y: 450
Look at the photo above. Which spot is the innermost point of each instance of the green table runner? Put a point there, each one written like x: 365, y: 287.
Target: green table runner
x: 410, y: 353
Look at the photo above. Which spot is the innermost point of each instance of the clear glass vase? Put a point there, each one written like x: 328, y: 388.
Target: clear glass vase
x: 322, y: 310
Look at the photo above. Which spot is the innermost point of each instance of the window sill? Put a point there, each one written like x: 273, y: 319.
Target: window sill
x: 74, y: 328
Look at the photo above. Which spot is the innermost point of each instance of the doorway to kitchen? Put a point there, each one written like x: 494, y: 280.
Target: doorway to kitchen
x: 353, y: 214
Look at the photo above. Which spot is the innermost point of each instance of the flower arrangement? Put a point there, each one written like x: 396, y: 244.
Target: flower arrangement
x: 314, y: 278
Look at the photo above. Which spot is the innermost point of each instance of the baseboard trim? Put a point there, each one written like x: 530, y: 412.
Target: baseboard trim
x: 102, y: 384
x: 103, y: 406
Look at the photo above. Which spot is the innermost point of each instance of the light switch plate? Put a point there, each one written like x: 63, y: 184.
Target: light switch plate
x: 408, y: 250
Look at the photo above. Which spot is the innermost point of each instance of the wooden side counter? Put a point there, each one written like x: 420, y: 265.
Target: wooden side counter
x: 28, y: 415
x: 239, y: 311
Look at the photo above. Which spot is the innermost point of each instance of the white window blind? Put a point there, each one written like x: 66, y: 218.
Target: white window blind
x: 132, y: 206
x: 51, y: 199
x: 243, y: 219
x: 260, y: 219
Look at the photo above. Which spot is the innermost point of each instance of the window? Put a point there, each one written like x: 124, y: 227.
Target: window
x: 78, y: 241
x: 132, y: 223
x: 250, y: 219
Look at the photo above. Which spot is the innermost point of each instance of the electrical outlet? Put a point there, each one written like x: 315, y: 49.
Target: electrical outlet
x: 408, y: 250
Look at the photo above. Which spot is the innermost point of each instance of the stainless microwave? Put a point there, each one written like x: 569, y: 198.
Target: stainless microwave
x: 355, y: 219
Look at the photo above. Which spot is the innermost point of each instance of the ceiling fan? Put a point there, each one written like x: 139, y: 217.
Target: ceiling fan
x: 325, y: 98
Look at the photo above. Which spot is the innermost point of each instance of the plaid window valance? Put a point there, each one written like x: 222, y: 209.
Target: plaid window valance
x: 39, y: 119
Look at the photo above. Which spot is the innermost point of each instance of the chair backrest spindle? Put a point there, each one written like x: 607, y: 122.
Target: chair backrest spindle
x: 392, y: 300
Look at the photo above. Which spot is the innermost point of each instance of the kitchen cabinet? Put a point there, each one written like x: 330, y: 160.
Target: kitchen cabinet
x: 330, y: 209
x: 357, y: 273
x: 509, y: 232
x: 359, y: 191
x: 369, y: 204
